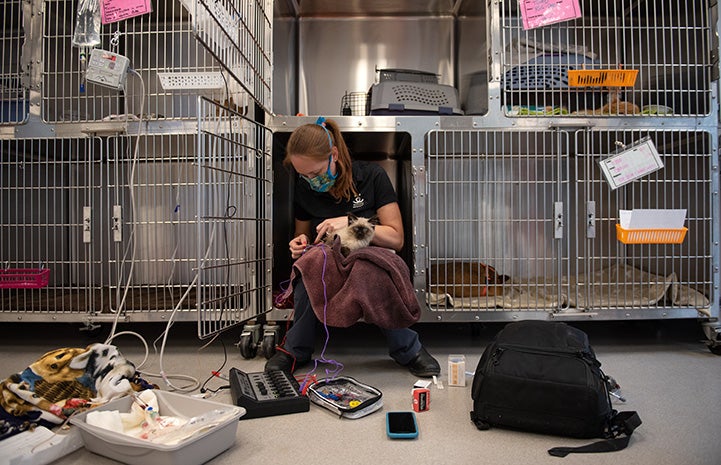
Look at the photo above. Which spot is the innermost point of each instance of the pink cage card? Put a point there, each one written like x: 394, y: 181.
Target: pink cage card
x: 112, y: 11
x: 537, y: 13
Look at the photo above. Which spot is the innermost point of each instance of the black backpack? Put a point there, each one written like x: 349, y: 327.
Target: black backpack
x: 543, y: 376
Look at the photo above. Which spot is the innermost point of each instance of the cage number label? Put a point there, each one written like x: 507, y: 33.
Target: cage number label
x: 631, y: 164
x: 112, y: 11
x: 537, y: 13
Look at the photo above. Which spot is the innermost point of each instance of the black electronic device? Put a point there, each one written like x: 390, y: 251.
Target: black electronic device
x: 401, y: 425
x: 266, y: 393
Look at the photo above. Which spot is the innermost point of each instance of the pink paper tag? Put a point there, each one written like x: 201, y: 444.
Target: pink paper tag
x: 112, y: 11
x: 537, y: 13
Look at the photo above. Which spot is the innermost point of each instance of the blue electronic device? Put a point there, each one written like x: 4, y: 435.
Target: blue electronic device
x: 401, y: 425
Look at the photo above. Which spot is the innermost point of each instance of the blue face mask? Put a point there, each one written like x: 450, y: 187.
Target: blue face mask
x: 322, y: 182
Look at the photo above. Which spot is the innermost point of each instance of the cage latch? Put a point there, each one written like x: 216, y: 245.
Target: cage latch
x: 558, y: 220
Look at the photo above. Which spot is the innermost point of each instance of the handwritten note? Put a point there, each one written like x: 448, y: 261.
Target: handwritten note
x: 652, y: 219
x: 537, y: 13
x: 631, y: 164
x: 112, y: 11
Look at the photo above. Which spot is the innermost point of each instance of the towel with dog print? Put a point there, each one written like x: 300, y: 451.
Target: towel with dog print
x: 60, y: 382
x: 371, y: 283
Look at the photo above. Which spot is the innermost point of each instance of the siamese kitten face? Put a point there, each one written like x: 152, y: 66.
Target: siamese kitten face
x: 356, y: 235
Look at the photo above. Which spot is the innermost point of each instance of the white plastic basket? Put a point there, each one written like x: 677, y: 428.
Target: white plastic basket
x: 192, y: 451
x: 184, y: 81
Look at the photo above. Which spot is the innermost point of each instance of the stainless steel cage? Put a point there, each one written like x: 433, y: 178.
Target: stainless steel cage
x: 51, y: 212
x: 524, y: 221
x: 670, y: 44
x: 188, y: 222
x: 493, y: 200
x: 164, y: 43
x: 13, y: 94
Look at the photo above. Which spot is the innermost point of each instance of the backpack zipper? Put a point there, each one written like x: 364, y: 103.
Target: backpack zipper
x: 582, y: 354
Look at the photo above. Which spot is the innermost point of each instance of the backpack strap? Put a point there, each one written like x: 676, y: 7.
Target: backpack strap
x: 622, y: 426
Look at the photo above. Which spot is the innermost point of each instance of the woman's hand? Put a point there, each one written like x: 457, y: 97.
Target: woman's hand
x: 297, y: 245
x: 329, y: 227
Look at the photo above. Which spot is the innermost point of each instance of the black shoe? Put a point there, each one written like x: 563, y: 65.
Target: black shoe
x: 424, y: 365
x: 283, y: 362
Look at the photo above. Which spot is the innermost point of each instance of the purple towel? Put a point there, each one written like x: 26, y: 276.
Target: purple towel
x: 372, y: 283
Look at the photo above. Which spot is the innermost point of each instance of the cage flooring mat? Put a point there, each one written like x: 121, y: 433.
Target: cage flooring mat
x: 619, y: 286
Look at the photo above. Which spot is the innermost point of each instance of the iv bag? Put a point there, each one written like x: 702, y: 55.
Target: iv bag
x: 87, y: 24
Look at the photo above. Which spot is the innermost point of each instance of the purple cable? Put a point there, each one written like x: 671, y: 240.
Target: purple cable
x: 284, y: 294
x: 338, y: 366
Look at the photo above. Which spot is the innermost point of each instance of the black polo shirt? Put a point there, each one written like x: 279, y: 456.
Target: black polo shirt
x: 374, y: 191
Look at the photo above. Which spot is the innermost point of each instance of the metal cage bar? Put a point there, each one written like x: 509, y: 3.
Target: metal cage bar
x: 525, y: 221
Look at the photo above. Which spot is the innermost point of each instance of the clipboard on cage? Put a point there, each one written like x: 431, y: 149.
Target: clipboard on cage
x: 631, y: 162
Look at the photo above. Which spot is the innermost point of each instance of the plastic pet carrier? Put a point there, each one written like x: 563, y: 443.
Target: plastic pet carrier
x: 407, y: 75
x: 409, y: 92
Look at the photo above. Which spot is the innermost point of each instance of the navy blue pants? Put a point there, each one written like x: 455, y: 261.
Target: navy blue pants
x: 403, y: 344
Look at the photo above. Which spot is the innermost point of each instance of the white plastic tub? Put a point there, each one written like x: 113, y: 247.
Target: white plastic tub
x: 192, y: 451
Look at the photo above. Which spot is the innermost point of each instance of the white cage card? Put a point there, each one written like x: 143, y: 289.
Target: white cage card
x: 632, y: 163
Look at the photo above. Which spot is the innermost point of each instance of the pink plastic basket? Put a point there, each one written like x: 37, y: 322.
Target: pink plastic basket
x: 24, y: 278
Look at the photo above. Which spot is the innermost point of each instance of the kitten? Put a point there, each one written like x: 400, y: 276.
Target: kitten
x: 356, y: 235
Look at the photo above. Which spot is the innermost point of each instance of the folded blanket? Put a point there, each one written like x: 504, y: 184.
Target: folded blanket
x: 371, y: 283
x: 60, y: 382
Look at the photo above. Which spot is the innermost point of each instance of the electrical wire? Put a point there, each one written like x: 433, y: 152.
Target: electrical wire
x: 132, y: 242
x: 132, y: 245
x: 215, y: 373
x: 332, y: 374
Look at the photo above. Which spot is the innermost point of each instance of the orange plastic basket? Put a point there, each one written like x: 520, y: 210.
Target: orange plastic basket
x: 650, y: 236
x: 602, y: 77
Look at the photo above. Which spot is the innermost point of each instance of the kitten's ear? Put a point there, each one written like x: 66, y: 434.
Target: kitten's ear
x: 374, y: 220
x: 352, y: 218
